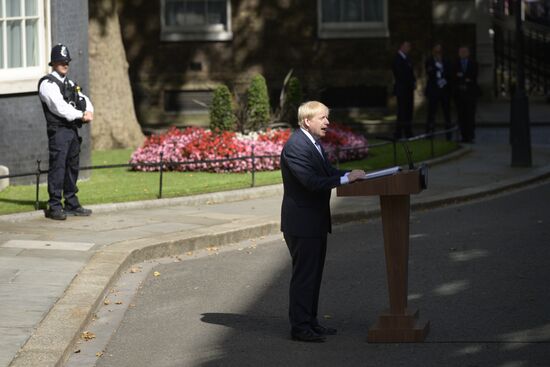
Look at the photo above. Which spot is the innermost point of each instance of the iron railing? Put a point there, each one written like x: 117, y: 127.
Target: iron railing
x: 252, y: 157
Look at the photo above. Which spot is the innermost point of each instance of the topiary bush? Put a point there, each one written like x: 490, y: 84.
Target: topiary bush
x: 222, y: 117
x: 293, y: 99
x: 257, y: 104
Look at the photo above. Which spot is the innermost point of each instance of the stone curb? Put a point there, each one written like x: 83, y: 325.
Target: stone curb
x: 52, y: 342
x: 202, y: 199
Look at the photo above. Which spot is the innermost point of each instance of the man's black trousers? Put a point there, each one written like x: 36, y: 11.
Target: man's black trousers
x: 439, y: 98
x: 466, y: 112
x: 405, y: 105
x: 308, y: 260
x: 64, y: 154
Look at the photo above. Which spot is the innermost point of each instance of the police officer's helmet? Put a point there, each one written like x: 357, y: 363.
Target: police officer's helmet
x: 60, y: 53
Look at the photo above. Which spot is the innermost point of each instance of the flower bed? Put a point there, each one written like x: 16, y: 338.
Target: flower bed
x: 197, y: 144
x: 342, y: 140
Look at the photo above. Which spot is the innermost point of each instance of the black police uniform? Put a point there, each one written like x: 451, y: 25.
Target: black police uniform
x: 63, y: 145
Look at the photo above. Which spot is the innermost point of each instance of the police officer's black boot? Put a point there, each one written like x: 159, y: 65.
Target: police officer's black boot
x: 56, y: 214
x: 78, y: 212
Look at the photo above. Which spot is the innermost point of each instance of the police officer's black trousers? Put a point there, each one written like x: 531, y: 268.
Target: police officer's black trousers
x: 64, y: 149
x: 308, y: 261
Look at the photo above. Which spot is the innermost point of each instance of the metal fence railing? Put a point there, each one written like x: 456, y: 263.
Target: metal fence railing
x: 163, y: 165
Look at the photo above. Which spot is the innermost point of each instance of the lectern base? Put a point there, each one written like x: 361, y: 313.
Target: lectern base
x: 392, y: 328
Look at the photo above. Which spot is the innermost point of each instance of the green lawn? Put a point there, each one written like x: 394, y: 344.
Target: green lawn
x: 121, y: 185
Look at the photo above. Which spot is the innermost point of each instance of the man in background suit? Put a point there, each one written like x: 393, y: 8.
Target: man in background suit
x: 466, y: 93
x: 405, y: 84
x: 308, y: 178
x: 438, y: 89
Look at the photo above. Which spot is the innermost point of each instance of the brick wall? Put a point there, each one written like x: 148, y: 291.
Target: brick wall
x: 269, y: 37
x: 22, y: 125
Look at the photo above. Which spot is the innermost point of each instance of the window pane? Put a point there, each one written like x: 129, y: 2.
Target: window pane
x: 330, y: 10
x: 174, y: 13
x: 195, y: 13
x: 373, y: 11
x: 13, y: 8
x: 216, y: 12
x: 31, y: 35
x: 352, y: 10
x: 31, y: 8
x: 15, y: 54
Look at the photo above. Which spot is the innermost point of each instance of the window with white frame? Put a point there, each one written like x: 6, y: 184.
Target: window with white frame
x: 22, y: 45
x: 196, y: 20
x: 352, y: 18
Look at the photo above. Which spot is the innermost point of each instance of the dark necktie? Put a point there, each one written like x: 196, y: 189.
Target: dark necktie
x: 319, y: 149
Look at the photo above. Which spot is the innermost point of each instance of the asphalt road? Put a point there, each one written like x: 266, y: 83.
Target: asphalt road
x: 479, y: 272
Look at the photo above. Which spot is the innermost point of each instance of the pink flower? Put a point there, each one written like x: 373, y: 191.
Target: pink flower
x: 196, y: 144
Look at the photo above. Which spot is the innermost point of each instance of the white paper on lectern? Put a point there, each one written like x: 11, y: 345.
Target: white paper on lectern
x: 382, y: 172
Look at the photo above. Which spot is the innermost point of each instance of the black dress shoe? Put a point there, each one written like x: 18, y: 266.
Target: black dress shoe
x: 78, y: 212
x: 308, y: 336
x: 321, y: 330
x: 56, y: 214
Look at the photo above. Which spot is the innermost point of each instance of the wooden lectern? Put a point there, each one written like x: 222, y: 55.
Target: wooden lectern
x: 398, y: 324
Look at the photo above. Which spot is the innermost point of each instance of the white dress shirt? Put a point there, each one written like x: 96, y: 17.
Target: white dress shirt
x: 344, y: 179
x: 51, y: 95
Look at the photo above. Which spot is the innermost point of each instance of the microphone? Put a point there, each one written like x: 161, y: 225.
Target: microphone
x: 423, y: 167
x: 408, y: 153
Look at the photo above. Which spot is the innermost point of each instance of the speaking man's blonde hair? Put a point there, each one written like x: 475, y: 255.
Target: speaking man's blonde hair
x: 309, y: 109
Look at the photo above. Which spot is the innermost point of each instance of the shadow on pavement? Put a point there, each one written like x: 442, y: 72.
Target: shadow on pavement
x: 477, y: 272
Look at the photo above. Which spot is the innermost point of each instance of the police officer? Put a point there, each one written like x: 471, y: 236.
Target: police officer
x: 66, y: 109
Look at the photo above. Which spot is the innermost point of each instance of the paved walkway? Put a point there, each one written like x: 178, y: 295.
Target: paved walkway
x: 54, y: 274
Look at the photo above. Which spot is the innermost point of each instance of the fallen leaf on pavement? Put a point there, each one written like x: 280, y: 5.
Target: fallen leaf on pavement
x: 107, y: 302
x: 156, y: 273
x: 99, y: 354
x: 135, y: 270
x: 118, y: 302
x: 87, y: 335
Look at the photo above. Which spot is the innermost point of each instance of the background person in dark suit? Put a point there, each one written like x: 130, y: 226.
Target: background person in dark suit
x: 438, y: 89
x: 466, y: 92
x: 308, y: 179
x: 405, y: 84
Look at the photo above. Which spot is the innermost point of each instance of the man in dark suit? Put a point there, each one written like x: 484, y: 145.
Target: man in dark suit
x: 438, y: 91
x: 466, y: 92
x: 308, y: 178
x: 405, y: 84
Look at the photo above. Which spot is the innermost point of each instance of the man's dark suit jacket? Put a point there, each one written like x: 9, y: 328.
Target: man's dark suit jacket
x: 432, y: 89
x: 465, y: 82
x: 403, y: 74
x: 307, y: 180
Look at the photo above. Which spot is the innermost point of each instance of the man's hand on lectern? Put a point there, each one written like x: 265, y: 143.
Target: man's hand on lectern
x: 356, y: 174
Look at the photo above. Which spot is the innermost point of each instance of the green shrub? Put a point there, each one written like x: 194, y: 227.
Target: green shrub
x: 257, y: 104
x: 293, y: 99
x: 222, y: 117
